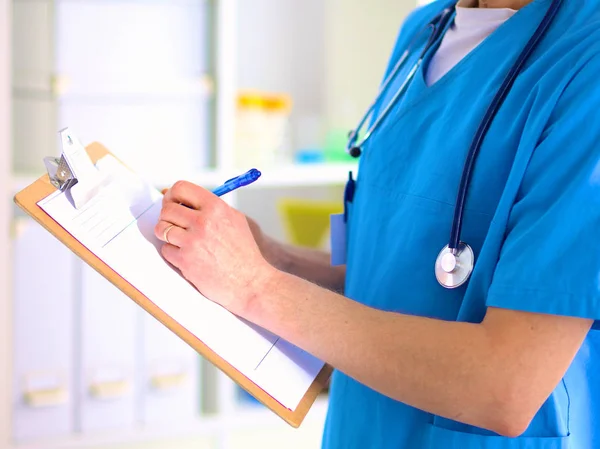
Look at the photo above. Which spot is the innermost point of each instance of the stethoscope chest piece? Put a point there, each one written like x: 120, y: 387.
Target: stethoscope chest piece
x: 454, y: 266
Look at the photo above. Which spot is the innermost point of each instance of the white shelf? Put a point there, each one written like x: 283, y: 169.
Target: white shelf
x: 306, y: 175
x: 300, y: 175
x: 277, y: 176
x: 252, y: 417
x: 207, y: 178
x: 60, y: 88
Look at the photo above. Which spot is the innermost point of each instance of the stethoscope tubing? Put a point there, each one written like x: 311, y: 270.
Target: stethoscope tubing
x: 438, y: 24
x: 486, y: 122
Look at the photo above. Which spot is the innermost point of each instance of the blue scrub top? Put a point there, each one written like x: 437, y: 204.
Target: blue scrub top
x: 532, y: 218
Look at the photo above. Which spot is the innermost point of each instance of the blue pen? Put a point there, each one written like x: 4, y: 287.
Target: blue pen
x: 239, y: 181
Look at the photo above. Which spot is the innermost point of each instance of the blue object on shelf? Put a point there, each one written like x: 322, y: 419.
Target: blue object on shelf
x: 309, y: 156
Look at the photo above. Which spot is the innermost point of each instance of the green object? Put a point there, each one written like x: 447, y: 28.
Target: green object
x: 335, y: 146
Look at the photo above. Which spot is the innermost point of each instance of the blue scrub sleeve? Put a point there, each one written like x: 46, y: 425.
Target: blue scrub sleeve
x: 550, y: 259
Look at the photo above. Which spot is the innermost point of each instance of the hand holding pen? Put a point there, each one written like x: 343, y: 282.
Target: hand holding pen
x: 210, y: 242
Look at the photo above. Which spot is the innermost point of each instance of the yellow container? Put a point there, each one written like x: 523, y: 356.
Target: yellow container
x: 262, y: 129
x: 306, y: 222
x: 250, y: 99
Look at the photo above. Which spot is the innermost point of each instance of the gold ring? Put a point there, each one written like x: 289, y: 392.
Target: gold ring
x: 166, y: 233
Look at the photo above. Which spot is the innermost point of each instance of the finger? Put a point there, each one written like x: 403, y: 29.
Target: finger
x: 178, y: 215
x: 172, y: 254
x: 190, y: 195
x: 173, y: 235
x: 162, y: 229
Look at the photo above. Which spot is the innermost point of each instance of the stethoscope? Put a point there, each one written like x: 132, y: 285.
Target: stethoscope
x: 455, y: 262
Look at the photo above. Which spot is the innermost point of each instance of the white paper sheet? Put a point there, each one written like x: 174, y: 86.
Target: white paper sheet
x: 118, y: 226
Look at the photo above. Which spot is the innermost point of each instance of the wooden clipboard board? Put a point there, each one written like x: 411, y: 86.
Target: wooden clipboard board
x: 28, y: 198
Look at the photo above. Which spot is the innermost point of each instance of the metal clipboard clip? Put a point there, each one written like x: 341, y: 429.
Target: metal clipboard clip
x: 74, y: 172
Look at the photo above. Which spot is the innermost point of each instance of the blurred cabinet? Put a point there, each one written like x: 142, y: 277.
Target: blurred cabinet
x: 44, y: 334
x: 33, y: 45
x: 136, y: 76
x: 33, y: 77
x: 130, y: 44
x: 34, y: 129
x: 132, y: 75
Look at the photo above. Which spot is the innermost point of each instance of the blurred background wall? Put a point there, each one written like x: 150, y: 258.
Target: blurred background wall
x: 192, y: 89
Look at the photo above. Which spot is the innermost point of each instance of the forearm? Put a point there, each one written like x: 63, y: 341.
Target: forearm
x: 446, y: 368
x: 309, y: 264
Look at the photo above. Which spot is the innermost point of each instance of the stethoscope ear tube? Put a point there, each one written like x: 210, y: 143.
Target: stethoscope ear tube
x: 438, y: 25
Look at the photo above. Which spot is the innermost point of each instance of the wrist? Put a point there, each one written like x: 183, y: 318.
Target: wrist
x: 260, y: 292
x: 277, y: 255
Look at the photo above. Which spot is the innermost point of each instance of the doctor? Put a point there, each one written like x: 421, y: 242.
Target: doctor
x: 509, y: 358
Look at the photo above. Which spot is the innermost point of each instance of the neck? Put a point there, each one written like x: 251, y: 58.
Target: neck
x: 511, y: 4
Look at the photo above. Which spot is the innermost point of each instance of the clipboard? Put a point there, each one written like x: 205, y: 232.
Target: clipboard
x: 28, y: 198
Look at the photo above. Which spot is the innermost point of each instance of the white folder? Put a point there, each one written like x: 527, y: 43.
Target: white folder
x: 170, y: 376
x: 106, y: 356
x: 43, y: 297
